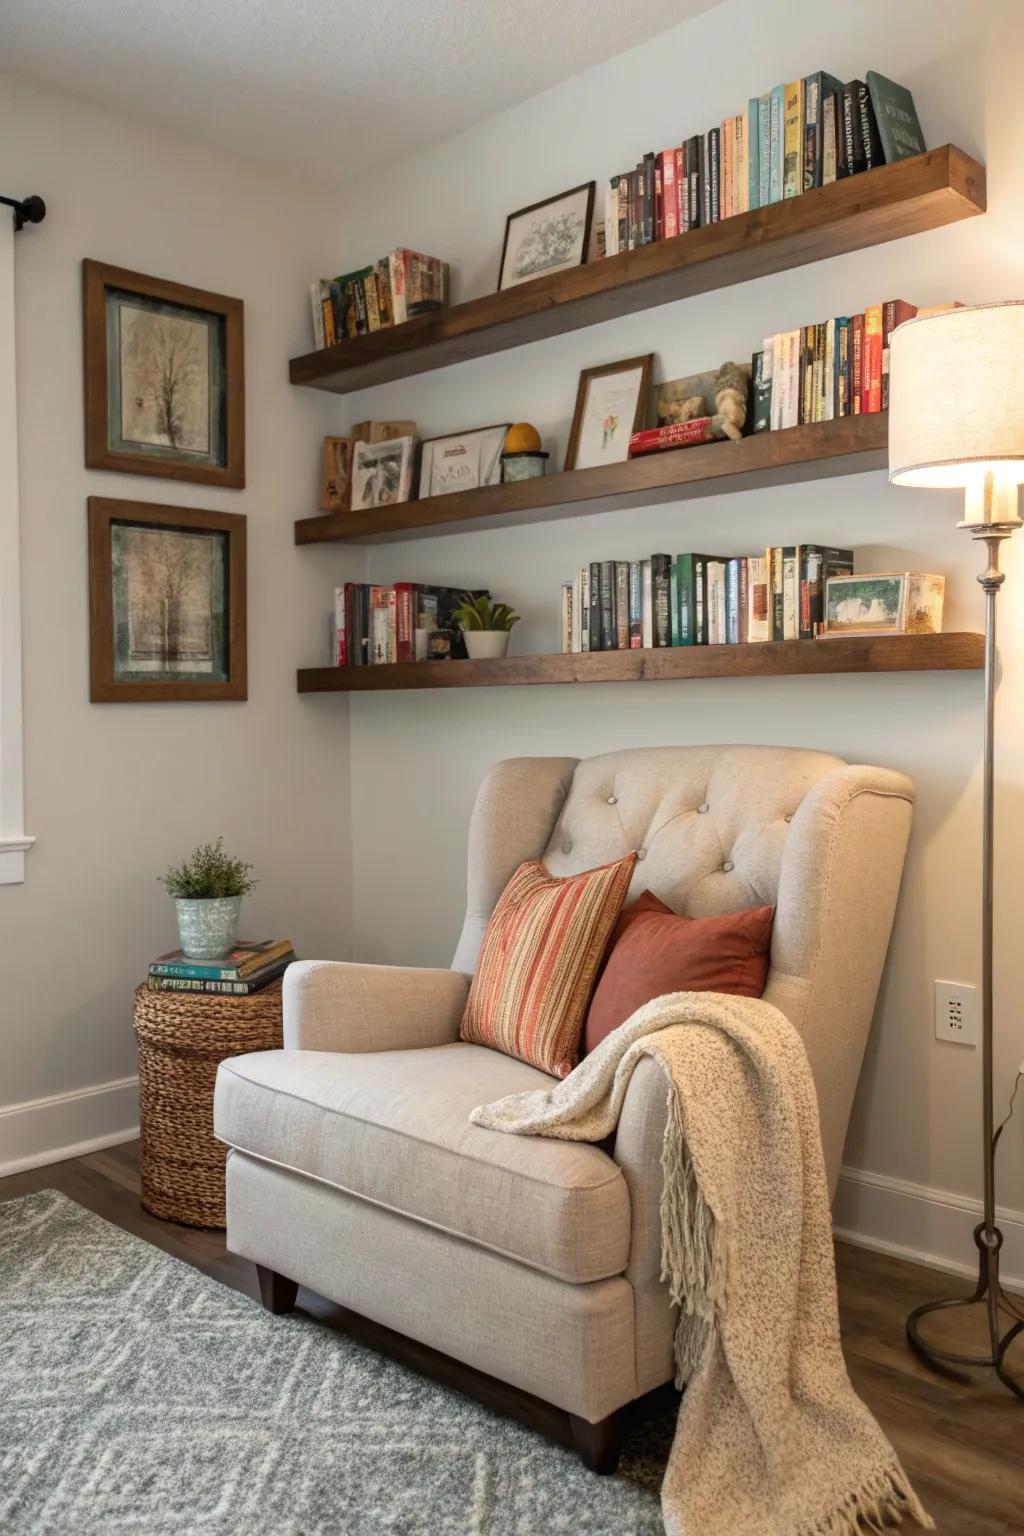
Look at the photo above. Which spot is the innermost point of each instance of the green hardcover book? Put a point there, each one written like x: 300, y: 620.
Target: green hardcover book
x: 761, y: 390
x: 899, y: 127
x: 684, y: 624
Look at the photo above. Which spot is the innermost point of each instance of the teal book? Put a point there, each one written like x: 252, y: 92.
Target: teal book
x: 753, y: 152
x: 776, y: 143
x: 764, y: 150
x: 898, y: 125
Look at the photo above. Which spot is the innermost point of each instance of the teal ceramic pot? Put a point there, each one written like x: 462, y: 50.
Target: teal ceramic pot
x: 208, y: 930
x: 523, y: 466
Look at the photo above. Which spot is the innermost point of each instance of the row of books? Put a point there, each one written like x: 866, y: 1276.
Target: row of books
x: 374, y: 625
x: 694, y: 599
x: 391, y: 291
x: 796, y: 137
x: 248, y: 968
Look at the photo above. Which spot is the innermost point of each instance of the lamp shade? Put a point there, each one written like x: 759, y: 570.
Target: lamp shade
x: 956, y: 396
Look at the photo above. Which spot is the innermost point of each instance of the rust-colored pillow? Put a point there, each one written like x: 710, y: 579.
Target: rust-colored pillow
x: 654, y: 951
x: 539, y: 958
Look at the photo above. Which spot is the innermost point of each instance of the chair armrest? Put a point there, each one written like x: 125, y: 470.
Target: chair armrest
x: 331, y: 1005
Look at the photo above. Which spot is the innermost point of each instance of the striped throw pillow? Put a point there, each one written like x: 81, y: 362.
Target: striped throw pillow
x: 539, y: 960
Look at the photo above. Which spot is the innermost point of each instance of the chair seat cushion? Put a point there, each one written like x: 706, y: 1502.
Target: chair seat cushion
x: 393, y: 1127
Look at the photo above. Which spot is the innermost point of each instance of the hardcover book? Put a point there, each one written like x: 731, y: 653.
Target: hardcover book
x: 817, y: 90
x: 793, y: 140
x: 899, y: 129
x: 246, y: 957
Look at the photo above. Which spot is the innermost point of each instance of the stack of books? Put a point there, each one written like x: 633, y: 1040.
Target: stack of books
x: 796, y: 137
x: 839, y: 367
x: 248, y: 968
x: 397, y: 288
x: 695, y: 599
x: 375, y: 625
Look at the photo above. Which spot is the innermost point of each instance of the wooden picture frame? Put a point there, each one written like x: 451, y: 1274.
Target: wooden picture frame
x: 336, y: 474
x: 489, y: 439
x: 514, y: 263
x: 137, y: 585
x: 641, y: 367
x: 164, y: 378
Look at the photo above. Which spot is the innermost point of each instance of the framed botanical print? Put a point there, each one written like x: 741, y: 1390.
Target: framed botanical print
x: 547, y: 237
x: 166, y: 603
x: 164, y: 378
x: 611, y: 404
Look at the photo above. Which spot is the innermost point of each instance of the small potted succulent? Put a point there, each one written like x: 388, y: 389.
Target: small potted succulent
x: 208, y: 889
x: 485, y: 626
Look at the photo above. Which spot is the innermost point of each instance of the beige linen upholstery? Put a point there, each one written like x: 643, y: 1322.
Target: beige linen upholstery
x: 394, y: 1128
x: 536, y: 1260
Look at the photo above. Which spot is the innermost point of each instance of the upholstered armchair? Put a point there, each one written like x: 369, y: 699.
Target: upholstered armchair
x: 354, y: 1168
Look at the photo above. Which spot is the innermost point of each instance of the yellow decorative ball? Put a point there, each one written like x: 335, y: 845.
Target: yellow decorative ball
x: 522, y: 438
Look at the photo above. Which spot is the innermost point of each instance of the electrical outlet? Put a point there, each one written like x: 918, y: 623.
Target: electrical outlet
x: 956, y: 1015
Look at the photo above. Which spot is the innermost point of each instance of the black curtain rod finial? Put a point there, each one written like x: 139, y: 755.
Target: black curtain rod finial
x: 27, y: 210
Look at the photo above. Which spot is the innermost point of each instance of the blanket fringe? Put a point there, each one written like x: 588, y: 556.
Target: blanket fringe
x: 692, y: 1250
x: 882, y: 1501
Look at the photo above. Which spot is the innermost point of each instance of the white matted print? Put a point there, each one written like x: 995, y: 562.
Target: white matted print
x: 610, y: 407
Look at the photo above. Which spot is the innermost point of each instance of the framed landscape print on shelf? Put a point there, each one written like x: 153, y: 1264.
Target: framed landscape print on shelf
x: 166, y: 603
x: 164, y: 378
x: 547, y: 237
x: 611, y: 404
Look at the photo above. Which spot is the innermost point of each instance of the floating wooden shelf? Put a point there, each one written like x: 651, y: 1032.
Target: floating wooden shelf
x: 905, y: 198
x: 846, y: 446
x: 850, y: 653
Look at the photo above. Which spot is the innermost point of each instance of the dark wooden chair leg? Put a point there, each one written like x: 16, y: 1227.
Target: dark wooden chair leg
x: 598, y: 1444
x: 277, y: 1292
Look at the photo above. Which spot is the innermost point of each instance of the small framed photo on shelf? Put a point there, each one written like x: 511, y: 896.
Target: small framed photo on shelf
x: 884, y: 603
x: 166, y: 603
x: 463, y: 461
x: 550, y: 236
x: 336, y: 478
x: 611, y: 404
x: 164, y: 378
x: 382, y: 472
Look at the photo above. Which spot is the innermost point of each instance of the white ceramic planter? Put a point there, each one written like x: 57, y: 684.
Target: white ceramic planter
x: 208, y: 930
x: 486, y: 644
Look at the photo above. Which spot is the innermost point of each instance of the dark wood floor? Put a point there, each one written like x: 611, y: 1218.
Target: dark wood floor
x: 963, y: 1446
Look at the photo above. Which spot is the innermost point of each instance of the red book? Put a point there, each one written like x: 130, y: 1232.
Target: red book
x: 669, y: 195
x: 680, y: 435
x: 894, y: 312
x: 405, y: 621
x: 856, y: 364
x: 871, y: 398
x: 682, y: 201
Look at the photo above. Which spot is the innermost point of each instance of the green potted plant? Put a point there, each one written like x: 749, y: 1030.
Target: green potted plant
x: 485, y: 626
x: 208, y: 888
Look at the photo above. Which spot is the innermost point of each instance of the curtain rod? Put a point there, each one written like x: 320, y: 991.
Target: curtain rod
x: 27, y: 210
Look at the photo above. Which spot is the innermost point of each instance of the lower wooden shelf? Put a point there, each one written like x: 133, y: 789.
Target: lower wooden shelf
x: 787, y: 658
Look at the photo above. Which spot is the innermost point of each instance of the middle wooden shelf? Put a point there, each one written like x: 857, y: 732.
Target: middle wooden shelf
x: 848, y: 445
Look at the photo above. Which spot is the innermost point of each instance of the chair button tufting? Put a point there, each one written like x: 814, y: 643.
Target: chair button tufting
x: 641, y: 853
x: 567, y: 846
x: 789, y: 818
x: 728, y: 865
x: 703, y: 809
x: 613, y: 799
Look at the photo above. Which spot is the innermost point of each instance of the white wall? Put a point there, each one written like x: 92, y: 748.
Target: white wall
x: 416, y: 759
x: 115, y: 792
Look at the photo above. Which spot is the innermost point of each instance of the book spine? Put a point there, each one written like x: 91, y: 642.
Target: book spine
x: 596, y: 641
x: 728, y: 168
x: 715, y: 601
x: 694, y: 165
x: 776, y: 147
x: 683, y: 566
x: 621, y: 604
x: 397, y: 271
x: 842, y: 396
x: 680, y: 435
x: 744, y: 599
x: 609, y: 633
x: 761, y: 387
x: 714, y: 176
x: 585, y: 608
x: 732, y: 602
x: 228, y: 988
x: 659, y: 203
x: 170, y: 970
x: 793, y: 140
x: 871, y: 142
x: 829, y: 161
x: 700, y: 600
x: 647, y: 166
x: 790, y: 626
x: 764, y: 150
x: 856, y: 365
x: 682, y: 191
x: 577, y: 613
x: 611, y: 218
x: 340, y: 630
x: 828, y: 380
x: 669, y: 199
x: 405, y: 621
x: 636, y: 605
x: 852, y: 143
x: 872, y: 397
x: 565, y: 617
x: 673, y: 597
x: 646, y: 604
x: 812, y: 132
x: 774, y: 556
x: 754, y: 152
x: 661, y: 600
x: 894, y: 312
x: 316, y: 302
x: 622, y: 239
x: 369, y: 287
x: 758, y: 617
x: 806, y: 373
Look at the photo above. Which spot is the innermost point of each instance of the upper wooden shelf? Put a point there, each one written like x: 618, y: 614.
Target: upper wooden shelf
x: 913, y: 195
x: 846, y: 446
x: 786, y: 658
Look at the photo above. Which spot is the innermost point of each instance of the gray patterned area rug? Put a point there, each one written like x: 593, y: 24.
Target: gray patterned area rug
x: 140, y: 1396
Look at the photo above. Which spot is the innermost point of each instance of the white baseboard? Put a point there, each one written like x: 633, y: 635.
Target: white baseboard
x: 42, y: 1131
x: 927, y: 1226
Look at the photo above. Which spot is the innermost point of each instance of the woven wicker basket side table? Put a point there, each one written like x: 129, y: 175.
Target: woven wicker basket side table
x: 181, y: 1039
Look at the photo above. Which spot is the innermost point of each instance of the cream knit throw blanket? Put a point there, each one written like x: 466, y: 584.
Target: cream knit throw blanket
x: 772, y: 1440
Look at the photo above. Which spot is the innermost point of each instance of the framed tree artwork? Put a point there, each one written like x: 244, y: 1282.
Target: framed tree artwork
x: 166, y: 603
x: 164, y: 378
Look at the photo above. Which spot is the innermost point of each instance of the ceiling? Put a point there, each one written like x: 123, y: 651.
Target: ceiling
x: 324, y: 89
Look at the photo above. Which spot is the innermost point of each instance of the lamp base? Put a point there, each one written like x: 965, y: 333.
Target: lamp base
x: 993, y: 1298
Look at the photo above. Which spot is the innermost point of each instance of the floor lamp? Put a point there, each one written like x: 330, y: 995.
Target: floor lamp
x: 956, y: 420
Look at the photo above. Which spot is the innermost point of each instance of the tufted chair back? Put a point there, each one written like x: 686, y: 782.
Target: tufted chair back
x: 719, y: 829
